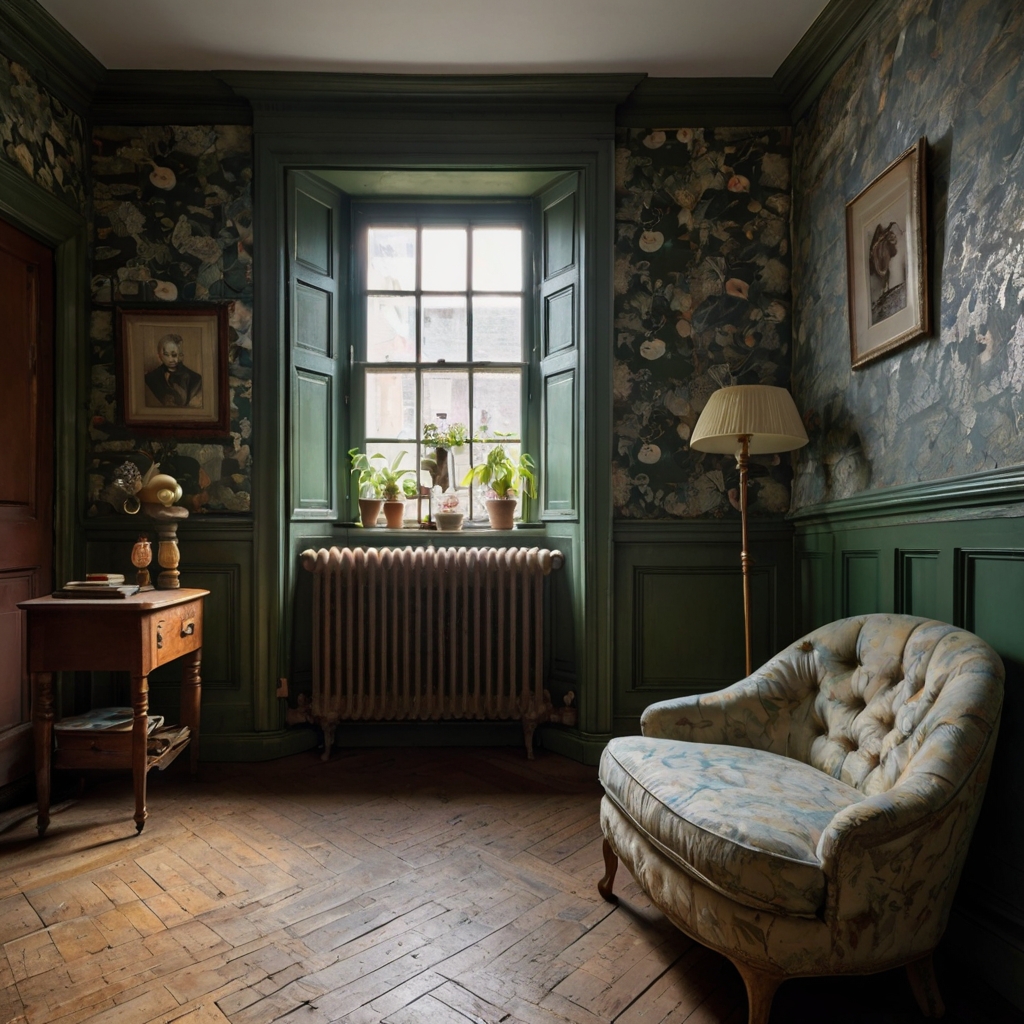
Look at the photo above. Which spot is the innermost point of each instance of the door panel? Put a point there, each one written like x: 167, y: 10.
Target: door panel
x: 26, y: 472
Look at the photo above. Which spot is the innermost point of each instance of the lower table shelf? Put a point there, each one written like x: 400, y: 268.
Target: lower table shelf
x: 113, y: 750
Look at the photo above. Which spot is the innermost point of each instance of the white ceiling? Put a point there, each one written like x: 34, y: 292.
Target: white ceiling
x: 660, y: 37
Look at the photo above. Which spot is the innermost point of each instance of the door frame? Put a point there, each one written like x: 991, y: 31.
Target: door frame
x: 35, y: 211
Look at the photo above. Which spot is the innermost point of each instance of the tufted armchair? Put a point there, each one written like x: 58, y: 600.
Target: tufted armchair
x: 813, y: 818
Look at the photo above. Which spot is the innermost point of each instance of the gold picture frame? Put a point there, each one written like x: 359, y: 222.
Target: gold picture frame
x: 172, y: 374
x: 886, y: 260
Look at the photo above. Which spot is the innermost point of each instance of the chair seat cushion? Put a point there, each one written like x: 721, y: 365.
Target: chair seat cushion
x: 741, y: 820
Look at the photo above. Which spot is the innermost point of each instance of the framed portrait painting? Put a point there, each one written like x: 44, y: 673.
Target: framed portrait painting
x: 172, y: 369
x: 887, y: 278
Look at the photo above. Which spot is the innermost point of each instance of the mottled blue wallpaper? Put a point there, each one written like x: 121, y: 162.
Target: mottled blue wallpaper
x: 41, y: 135
x: 702, y: 301
x: 173, y: 226
x: 951, y: 70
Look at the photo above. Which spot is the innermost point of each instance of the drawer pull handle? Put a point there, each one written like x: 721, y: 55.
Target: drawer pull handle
x: 159, y: 634
x: 188, y: 628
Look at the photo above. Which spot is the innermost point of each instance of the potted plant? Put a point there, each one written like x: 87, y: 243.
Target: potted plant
x: 504, y: 477
x: 448, y: 515
x: 443, y: 440
x: 370, y: 485
x: 392, y: 489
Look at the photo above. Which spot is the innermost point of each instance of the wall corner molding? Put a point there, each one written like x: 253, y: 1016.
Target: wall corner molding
x: 133, y: 97
x: 834, y: 35
x: 30, y: 35
x: 703, y: 103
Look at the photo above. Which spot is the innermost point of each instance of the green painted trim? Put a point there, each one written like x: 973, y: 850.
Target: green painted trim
x: 36, y: 211
x: 704, y: 102
x: 30, y: 35
x: 255, y: 746
x: 399, y: 91
x: 697, y: 531
x: 991, y: 492
x: 132, y: 97
x: 579, y: 746
x: 836, y: 33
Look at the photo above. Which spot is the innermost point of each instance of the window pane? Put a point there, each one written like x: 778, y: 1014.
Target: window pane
x: 390, y: 328
x: 497, y: 260
x: 391, y: 259
x: 444, y: 260
x: 391, y: 404
x: 498, y: 328
x: 444, y: 328
x: 445, y: 397
x: 497, y: 403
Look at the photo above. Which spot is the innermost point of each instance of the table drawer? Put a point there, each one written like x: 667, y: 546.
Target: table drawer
x: 176, y: 631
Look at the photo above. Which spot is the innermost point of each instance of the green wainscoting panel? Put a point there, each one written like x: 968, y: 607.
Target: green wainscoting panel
x: 917, y: 583
x: 312, y: 456
x: 313, y: 232
x: 559, y: 235
x: 678, y: 608
x: 313, y: 318
x: 560, y: 320
x: 558, y: 465
x: 952, y: 558
x: 861, y: 582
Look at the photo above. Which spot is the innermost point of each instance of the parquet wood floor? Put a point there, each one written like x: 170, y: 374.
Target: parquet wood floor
x: 400, y: 886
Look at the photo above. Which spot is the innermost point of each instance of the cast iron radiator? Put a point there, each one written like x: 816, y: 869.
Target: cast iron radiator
x: 429, y: 634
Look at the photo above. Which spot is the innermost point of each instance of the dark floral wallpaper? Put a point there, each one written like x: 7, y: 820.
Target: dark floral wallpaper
x: 41, y: 135
x: 172, y: 212
x: 952, y: 70
x: 702, y: 301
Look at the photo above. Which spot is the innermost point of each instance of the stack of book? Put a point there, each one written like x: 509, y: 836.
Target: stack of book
x: 97, y: 585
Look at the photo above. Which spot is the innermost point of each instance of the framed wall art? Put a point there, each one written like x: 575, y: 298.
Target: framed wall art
x: 886, y: 262
x: 172, y: 375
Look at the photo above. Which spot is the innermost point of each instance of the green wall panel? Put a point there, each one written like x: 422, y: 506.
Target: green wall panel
x: 312, y: 448
x: 861, y: 582
x: 917, y: 583
x: 559, y: 463
x: 559, y: 235
x: 313, y: 237
x: 560, y: 321
x: 313, y: 319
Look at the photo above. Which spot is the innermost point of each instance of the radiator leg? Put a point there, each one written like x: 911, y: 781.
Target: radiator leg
x: 328, y: 742
x: 529, y: 725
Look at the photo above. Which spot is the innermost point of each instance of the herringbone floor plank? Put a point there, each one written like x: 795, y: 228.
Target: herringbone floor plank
x: 383, y: 887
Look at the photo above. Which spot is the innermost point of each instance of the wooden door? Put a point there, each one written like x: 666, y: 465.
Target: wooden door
x: 26, y: 473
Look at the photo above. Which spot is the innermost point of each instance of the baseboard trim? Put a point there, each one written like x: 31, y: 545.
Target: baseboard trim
x: 255, y: 746
x: 993, y: 946
x: 580, y: 746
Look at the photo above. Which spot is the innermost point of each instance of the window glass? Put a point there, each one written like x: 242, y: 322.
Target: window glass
x: 496, y: 403
x: 444, y: 260
x: 444, y: 328
x: 391, y: 328
x: 391, y: 259
x: 498, y: 328
x: 497, y: 260
x: 390, y: 404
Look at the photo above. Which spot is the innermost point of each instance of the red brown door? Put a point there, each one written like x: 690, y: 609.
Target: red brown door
x: 26, y: 473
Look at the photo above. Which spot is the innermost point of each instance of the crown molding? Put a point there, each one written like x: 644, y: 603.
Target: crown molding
x: 132, y: 97
x: 57, y: 61
x: 835, y: 34
x: 702, y: 103
x: 301, y: 87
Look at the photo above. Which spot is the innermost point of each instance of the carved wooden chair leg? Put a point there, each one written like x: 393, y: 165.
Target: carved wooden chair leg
x: 611, y: 862
x: 925, y: 986
x: 761, y: 987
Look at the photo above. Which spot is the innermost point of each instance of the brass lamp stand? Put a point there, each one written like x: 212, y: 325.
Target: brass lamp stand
x: 745, y: 420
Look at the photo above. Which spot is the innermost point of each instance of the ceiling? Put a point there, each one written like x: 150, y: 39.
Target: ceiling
x: 664, y: 38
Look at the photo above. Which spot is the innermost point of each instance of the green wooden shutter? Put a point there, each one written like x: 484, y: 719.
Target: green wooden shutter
x: 317, y: 271
x: 559, y: 312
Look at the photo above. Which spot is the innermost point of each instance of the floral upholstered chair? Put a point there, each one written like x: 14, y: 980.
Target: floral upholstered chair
x: 814, y: 818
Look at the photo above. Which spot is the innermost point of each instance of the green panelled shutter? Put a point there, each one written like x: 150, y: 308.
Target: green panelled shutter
x: 317, y: 272
x: 558, y: 311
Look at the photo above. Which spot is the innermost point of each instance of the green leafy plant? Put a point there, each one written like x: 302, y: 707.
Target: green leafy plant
x: 369, y: 482
x: 452, y: 436
x: 504, y: 476
x: 410, y: 488
x: 391, y: 484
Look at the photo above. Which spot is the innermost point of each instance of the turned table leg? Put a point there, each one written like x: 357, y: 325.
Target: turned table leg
x: 42, y: 732
x: 191, y: 689
x: 140, y: 745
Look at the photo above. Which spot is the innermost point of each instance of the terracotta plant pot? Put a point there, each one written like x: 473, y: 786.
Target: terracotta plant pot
x: 369, y: 509
x: 448, y: 522
x: 500, y: 511
x: 394, y: 513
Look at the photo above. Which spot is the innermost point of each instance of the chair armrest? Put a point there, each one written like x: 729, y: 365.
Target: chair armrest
x: 700, y: 718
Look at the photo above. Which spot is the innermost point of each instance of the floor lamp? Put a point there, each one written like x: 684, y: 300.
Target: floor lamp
x: 745, y: 420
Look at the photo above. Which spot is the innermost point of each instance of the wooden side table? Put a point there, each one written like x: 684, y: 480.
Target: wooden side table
x: 136, y: 634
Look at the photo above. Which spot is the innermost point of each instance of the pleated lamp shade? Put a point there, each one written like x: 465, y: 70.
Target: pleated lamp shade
x: 766, y: 414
